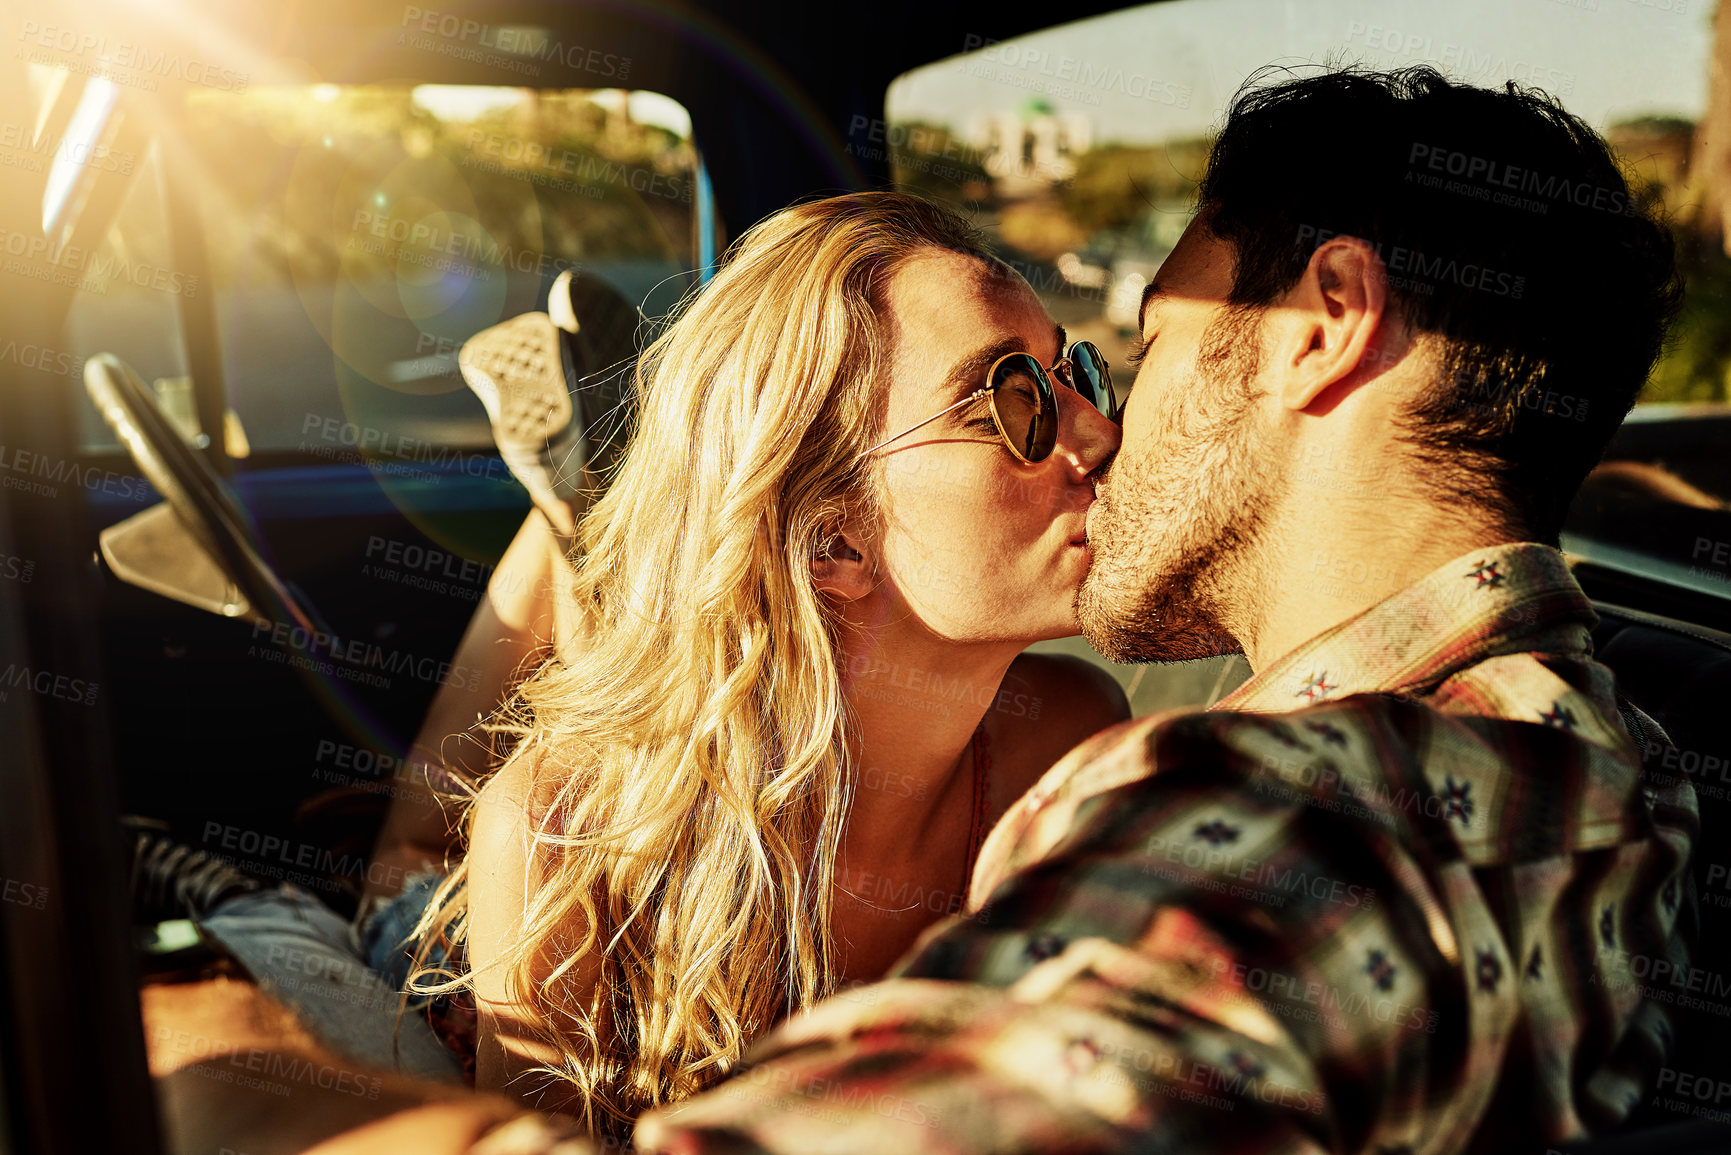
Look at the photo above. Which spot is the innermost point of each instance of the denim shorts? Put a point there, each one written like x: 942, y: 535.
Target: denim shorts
x: 343, y: 982
x: 386, y: 937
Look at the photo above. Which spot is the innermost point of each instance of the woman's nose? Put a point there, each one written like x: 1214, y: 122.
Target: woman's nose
x: 1086, y: 437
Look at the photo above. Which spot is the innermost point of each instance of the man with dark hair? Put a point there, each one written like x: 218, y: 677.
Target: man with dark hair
x: 1396, y: 892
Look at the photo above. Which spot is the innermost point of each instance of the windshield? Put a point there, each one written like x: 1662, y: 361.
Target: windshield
x: 358, y: 235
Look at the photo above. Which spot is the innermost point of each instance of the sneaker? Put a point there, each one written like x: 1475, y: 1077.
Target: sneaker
x: 172, y: 880
x: 604, y: 331
x: 518, y: 370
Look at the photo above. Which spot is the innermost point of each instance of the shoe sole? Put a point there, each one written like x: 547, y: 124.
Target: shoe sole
x: 517, y: 370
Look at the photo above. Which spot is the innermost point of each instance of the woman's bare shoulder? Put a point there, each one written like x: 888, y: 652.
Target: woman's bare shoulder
x: 1047, y: 705
x: 507, y: 865
x: 517, y: 796
x: 509, y: 855
x: 503, y: 851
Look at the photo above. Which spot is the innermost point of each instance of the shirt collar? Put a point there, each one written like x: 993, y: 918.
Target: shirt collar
x: 1513, y: 598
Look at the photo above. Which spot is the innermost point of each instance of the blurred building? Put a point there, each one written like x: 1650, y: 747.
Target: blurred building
x: 1029, y: 149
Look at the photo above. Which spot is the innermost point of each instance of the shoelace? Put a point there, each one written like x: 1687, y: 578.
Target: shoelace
x: 170, y: 878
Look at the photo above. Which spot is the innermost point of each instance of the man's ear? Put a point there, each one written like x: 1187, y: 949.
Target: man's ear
x: 841, y: 567
x: 1333, y: 314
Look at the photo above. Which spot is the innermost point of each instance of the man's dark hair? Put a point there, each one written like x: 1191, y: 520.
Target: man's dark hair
x: 1507, y: 231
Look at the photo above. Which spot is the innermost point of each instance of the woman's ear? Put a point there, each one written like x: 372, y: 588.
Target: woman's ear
x: 840, y: 566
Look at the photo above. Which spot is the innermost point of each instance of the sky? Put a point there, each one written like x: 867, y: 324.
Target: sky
x: 1167, y: 70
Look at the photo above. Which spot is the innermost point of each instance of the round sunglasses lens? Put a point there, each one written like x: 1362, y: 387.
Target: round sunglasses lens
x: 1023, y: 402
x: 1091, y: 377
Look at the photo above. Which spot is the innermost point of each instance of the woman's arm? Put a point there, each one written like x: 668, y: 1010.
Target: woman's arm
x: 507, y: 636
x: 505, y: 865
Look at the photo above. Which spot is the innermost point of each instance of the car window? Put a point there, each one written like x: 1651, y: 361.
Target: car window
x: 1078, y: 148
x: 358, y: 235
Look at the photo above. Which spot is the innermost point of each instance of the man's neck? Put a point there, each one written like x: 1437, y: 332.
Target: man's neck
x: 1335, y: 564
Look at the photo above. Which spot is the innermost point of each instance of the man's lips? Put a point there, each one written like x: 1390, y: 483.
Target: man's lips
x: 1081, y: 536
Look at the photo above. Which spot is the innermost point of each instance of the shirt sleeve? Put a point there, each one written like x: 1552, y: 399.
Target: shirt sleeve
x: 1219, y: 938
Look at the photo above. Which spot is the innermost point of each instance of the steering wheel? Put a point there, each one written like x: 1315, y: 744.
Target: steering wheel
x: 201, y: 501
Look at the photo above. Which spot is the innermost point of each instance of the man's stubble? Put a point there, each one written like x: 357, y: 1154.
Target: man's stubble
x: 1181, y: 513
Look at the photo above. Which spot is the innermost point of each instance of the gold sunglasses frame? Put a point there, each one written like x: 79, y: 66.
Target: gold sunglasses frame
x: 1059, y: 367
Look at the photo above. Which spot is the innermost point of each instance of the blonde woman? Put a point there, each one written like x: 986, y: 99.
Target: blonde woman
x: 857, y: 489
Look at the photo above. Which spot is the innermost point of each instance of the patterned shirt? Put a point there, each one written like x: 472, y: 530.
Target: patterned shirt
x: 1406, y: 890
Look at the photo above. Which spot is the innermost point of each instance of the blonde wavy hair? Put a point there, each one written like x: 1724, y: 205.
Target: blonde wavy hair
x: 692, y: 749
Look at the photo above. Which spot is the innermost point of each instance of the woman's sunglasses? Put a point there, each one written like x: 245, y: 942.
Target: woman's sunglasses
x: 1024, y: 406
